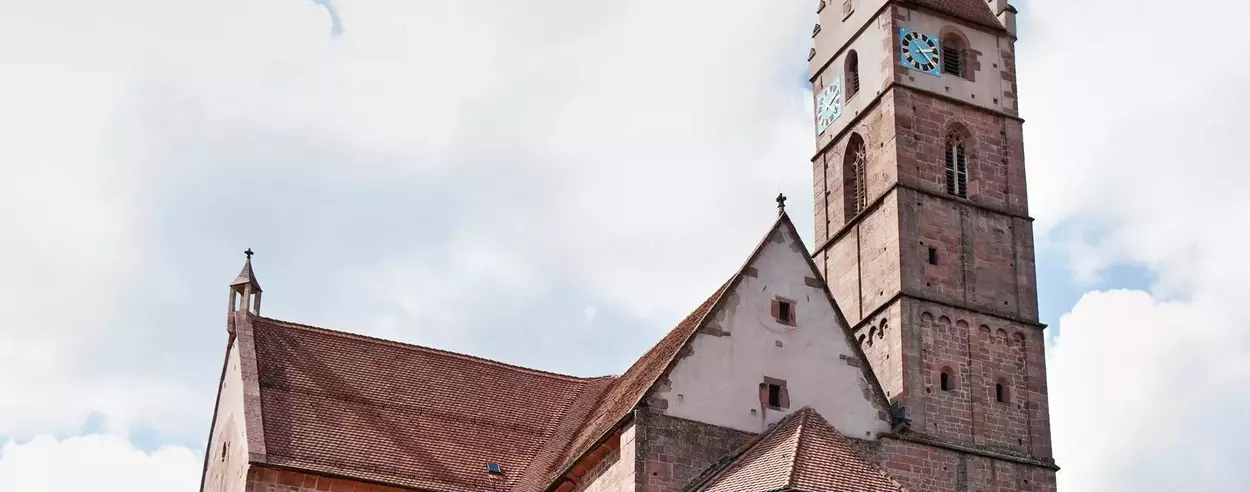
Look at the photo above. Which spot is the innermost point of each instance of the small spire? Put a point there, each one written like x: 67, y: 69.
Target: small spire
x: 247, y: 276
x: 245, y: 291
x: 781, y: 204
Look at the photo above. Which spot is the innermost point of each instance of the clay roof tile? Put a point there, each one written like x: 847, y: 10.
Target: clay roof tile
x: 976, y: 11
x: 802, y: 452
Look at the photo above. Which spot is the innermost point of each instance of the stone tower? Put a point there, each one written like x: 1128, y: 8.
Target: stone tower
x: 924, y: 236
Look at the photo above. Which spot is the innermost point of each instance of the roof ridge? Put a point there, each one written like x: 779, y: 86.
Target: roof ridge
x: 822, y: 426
x: 774, y: 436
x: 801, y: 435
x: 415, y: 347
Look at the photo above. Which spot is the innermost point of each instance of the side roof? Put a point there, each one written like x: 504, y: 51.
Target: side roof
x: 801, y: 453
x: 353, y: 406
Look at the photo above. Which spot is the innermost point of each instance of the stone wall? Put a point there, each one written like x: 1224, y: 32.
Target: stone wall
x: 922, y: 467
x: 876, y: 127
x: 676, y: 451
x: 961, y: 254
x: 996, y: 177
x: 981, y: 352
x: 617, y: 471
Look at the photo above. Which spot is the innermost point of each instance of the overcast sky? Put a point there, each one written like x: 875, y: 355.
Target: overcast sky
x: 555, y: 183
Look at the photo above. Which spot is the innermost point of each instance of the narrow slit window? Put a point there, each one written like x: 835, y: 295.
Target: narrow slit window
x: 933, y: 256
x: 956, y: 165
x: 1000, y: 392
x: 852, y: 73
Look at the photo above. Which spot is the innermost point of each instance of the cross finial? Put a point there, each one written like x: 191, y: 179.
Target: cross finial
x: 781, y: 203
x: 249, y: 253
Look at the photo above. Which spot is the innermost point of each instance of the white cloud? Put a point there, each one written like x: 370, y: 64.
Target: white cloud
x: 1143, y: 167
x: 1150, y: 395
x: 98, y: 463
x: 72, y: 203
x: 626, y: 150
x: 620, y: 148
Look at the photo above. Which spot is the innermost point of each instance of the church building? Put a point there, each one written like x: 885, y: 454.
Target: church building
x: 900, y: 352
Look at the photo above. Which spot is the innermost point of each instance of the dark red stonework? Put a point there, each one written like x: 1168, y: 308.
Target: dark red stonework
x: 968, y: 307
x: 673, y: 451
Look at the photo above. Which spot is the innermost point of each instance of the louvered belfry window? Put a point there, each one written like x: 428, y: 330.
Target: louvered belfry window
x: 954, y: 55
x: 855, y: 167
x: 956, y: 165
x: 952, y: 58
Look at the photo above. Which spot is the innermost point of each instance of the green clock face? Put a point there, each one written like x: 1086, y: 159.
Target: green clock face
x: 920, y: 51
x: 829, y: 105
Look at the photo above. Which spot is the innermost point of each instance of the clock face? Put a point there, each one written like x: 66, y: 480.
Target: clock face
x: 829, y: 105
x: 920, y: 51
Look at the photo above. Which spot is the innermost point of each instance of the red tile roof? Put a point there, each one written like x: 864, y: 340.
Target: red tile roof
x: 972, y: 10
x: 804, y: 453
x: 400, y: 414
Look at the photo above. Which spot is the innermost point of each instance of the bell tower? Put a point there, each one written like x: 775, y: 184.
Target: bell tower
x: 924, y: 236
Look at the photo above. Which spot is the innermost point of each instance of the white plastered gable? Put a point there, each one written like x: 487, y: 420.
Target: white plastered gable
x: 741, y: 345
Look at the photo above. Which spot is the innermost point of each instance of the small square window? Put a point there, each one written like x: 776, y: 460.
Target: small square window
x: 773, y: 394
x: 783, y: 310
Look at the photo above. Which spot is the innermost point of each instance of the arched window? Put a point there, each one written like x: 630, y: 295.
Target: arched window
x: 956, y: 164
x: 852, y: 73
x: 946, y: 380
x: 855, y: 188
x: 954, y: 56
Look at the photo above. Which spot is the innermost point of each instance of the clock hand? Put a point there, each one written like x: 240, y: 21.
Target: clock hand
x: 926, y: 57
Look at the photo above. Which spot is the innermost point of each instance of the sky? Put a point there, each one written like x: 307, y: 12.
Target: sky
x: 554, y: 183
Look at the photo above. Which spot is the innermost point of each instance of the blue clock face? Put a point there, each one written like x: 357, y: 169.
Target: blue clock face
x: 829, y: 105
x: 921, y: 51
